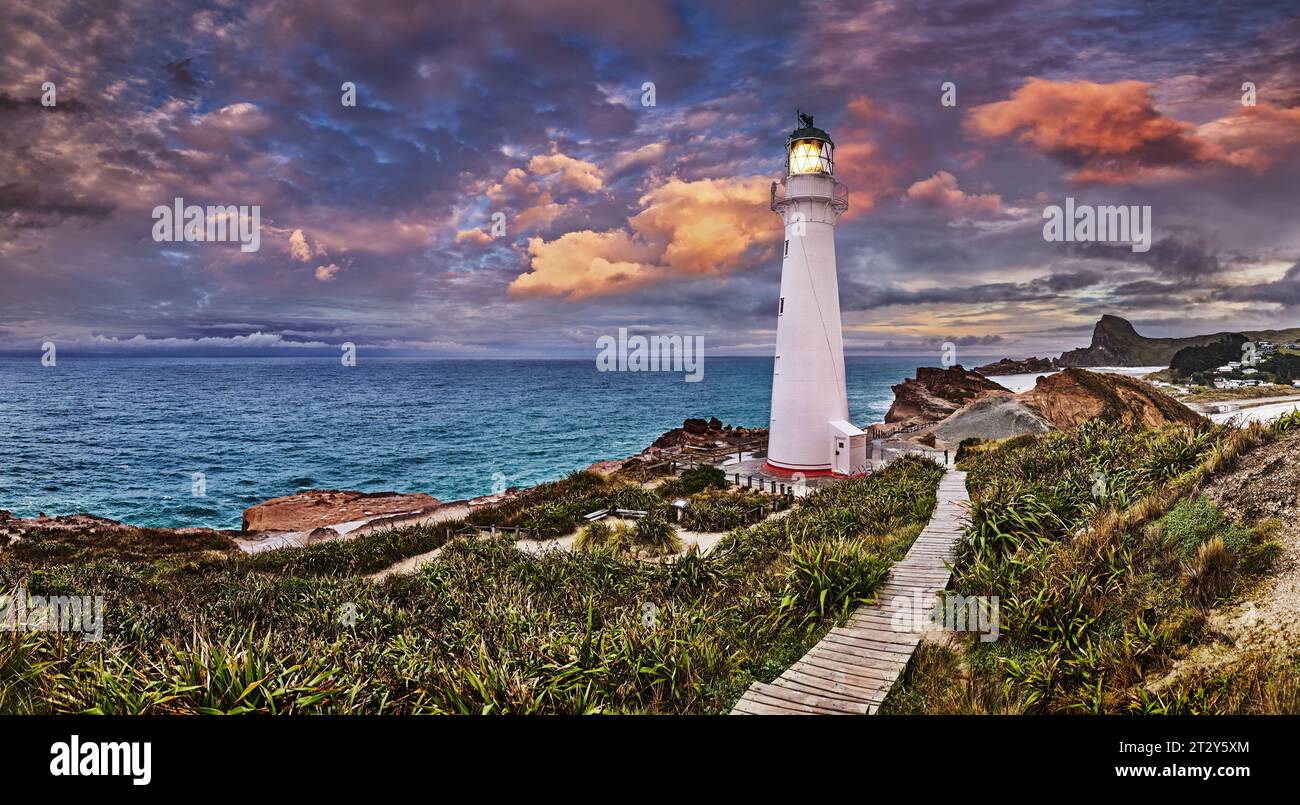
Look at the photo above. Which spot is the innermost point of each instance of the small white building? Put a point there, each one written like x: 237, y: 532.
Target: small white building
x: 850, y: 447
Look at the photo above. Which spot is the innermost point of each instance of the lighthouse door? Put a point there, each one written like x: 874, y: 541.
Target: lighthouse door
x: 841, y: 463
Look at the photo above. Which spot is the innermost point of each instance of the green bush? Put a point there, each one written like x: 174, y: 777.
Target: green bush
x: 717, y: 510
x: 698, y: 479
x: 1194, y: 522
x: 657, y: 534
x: 830, y: 578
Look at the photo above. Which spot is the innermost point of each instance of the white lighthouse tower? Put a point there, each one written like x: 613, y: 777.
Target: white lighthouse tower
x: 810, y: 432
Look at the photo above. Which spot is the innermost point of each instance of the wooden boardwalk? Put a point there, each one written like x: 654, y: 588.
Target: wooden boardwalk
x: 852, y: 668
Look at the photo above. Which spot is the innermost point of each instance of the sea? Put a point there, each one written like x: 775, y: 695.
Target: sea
x: 131, y: 438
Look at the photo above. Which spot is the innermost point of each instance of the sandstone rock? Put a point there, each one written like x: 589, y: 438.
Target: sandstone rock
x: 308, y: 510
x: 1074, y: 396
x: 991, y: 417
x: 321, y: 534
x: 937, y: 393
x: 1010, y: 366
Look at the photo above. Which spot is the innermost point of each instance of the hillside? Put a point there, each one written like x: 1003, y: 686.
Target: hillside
x: 1074, y: 396
x: 1116, y: 343
x: 961, y: 405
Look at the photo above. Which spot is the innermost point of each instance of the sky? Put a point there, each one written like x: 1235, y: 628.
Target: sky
x: 377, y: 219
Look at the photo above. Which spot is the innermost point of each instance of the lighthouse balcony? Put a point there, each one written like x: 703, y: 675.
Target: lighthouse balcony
x: 810, y: 187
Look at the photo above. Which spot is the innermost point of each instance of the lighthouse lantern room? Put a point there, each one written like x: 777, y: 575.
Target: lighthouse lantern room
x: 809, y: 429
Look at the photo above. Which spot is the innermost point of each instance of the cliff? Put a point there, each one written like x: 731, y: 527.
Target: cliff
x: 936, y: 393
x: 1010, y: 366
x: 1116, y: 343
x: 1074, y: 396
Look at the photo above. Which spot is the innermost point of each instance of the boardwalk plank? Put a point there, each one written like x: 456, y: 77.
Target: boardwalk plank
x: 853, y: 667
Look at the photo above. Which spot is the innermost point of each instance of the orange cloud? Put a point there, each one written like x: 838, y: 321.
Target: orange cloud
x: 940, y: 191
x: 1254, y: 137
x: 1113, y: 133
x: 476, y: 236
x: 327, y: 273
x: 869, y: 174
x: 685, y: 229
x: 574, y: 173
x: 1107, y: 132
x: 531, y: 194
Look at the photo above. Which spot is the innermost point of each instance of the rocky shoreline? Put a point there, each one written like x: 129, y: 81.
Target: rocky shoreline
x: 314, y: 516
x: 938, y: 408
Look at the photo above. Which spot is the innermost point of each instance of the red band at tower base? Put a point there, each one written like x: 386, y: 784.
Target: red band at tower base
x: 826, y: 472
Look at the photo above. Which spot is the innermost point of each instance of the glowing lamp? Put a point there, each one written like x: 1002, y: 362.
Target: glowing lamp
x: 809, y: 150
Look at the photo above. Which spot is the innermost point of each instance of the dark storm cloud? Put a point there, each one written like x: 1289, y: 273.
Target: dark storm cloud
x: 1284, y: 291
x: 1170, y: 257
x: 856, y: 296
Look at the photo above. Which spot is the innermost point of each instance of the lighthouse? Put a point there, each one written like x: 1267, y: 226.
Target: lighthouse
x: 810, y: 432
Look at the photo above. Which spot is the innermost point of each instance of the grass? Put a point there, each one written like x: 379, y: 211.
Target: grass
x: 484, y: 628
x: 1104, y: 561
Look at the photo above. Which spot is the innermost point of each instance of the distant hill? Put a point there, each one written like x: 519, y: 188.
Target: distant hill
x: 1190, y: 360
x: 1116, y: 343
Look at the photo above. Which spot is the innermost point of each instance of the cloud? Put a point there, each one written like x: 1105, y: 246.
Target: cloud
x: 1113, y: 133
x: 870, y: 174
x: 1283, y: 291
x: 299, y: 249
x: 941, y: 192
x: 1106, y: 132
x: 685, y: 229
x: 573, y: 173
x: 327, y: 273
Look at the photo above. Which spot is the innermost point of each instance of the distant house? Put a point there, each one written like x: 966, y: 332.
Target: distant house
x: 1250, y: 371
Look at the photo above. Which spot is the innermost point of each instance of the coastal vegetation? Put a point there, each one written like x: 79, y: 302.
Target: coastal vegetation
x: 483, y: 628
x: 1106, y: 562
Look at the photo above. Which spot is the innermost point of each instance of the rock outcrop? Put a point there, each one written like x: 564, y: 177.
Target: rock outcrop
x: 705, y: 433
x: 937, y: 393
x: 316, y: 508
x: 1010, y: 366
x: 1116, y: 343
x: 1074, y: 396
x: 992, y: 416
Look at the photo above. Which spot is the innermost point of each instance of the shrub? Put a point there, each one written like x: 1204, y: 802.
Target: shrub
x: 1193, y: 522
x: 829, y: 578
x: 698, y: 479
x: 657, y: 534
x: 964, y: 448
x: 601, y: 536
x: 1209, y: 574
x: 715, y: 510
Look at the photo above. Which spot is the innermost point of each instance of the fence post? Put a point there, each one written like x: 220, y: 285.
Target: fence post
x: 749, y: 482
x: 737, y: 479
